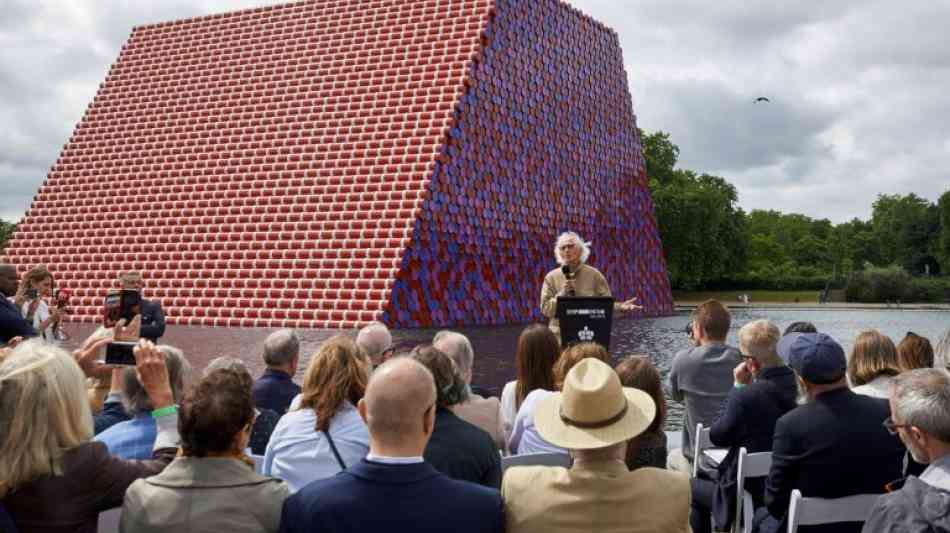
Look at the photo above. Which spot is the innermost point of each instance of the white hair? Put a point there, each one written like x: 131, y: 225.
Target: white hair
x: 942, y: 351
x: 281, y: 347
x: 136, y: 398
x: 571, y: 236
x: 922, y: 399
x: 456, y: 346
x: 374, y: 339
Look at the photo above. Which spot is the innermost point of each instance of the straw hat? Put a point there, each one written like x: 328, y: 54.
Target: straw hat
x: 593, y: 410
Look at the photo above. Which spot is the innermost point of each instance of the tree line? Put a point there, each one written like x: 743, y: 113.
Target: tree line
x: 711, y: 243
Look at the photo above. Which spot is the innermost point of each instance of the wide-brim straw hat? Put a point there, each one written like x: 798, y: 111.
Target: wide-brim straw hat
x: 593, y: 410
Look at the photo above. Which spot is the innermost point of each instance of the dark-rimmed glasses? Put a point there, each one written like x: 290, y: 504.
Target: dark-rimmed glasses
x: 891, y: 426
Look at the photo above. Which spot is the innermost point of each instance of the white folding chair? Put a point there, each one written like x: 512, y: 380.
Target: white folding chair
x: 536, y: 459
x: 750, y: 465
x: 813, y: 511
x: 109, y: 521
x: 703, y: 447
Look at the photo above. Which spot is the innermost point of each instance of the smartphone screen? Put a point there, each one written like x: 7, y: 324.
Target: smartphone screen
x: 120, y: 353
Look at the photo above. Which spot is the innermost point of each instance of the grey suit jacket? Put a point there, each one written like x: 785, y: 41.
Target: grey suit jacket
x: 204, y: 494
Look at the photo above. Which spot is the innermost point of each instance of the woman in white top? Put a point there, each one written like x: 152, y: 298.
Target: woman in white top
x: 873, y: 364
x: 538, y: 351
x: 37, y: 285
x: 325, y: 434
x: 524, y: 435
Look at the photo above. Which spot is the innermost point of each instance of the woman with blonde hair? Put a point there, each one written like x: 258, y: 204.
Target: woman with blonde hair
x: 524, y: 435
x: 325, y: 433
x: 37, y: 285
x: 53, y: 477
x: 873, y: 364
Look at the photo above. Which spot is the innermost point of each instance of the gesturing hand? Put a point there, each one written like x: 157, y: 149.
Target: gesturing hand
x: 88, y: 358
x: 630, y: 305
x: 153, y: 374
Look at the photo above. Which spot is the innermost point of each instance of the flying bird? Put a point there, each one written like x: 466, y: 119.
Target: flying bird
x: 761, y: 99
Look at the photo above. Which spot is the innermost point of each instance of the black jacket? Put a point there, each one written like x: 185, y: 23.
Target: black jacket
x: 832, y: 447
x: 916, y: 508
x: 748, y: 418
x: 463, y: 451
x: 12, y: 323
x: 153, y: 320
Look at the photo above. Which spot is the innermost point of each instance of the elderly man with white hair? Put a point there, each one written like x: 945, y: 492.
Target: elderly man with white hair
x: 477, y: 410
x: 376, y: 342
x: 920, y: 416
x: 575, y: 278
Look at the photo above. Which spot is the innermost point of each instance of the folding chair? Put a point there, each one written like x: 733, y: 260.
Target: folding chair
x: 536, y: 459
x: 813, y: 511
x: 750, y: 465
x: 703, y: 447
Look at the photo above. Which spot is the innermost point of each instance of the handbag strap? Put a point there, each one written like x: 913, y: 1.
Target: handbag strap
x: 336, y: 453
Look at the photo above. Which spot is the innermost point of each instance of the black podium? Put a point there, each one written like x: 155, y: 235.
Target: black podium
x: 585, y: 319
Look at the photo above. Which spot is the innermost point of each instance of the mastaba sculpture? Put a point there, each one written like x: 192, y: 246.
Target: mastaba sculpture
x: 326, y: 163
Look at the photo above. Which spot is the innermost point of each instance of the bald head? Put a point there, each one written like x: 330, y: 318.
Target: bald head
x: 397, y: 400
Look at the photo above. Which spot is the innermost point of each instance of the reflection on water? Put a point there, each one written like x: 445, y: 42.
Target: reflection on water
x: 657, y: 338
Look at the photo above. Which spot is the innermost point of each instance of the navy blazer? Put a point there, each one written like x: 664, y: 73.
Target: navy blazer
x: 12, y: 323
x: 463, y: 451
x: 274, y: 390
x: 374, y: 497
x: 831, y: 447
x: 747, y: 419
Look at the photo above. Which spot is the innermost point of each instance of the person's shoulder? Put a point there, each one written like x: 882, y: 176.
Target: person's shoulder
x: 553, y: 274
x: 459, y: 489
x: 519, y: 478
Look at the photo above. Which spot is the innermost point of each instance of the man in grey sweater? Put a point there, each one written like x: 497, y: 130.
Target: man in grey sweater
x: 701, y: 376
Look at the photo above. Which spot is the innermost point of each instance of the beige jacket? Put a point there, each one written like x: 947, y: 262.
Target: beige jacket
x: 600, y: 496
x: 204, y: 494
x: 588, y: 281
x: 484, y: 413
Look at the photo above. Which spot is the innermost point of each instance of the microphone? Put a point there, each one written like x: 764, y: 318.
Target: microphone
x: 566, y: 270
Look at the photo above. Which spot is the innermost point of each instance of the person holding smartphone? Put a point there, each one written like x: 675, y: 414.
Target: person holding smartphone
x: 12, y: 323
x: 153, y: 318
x: 30, y: 299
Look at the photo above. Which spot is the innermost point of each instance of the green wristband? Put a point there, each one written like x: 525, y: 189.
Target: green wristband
x: 165, y: 411
x: 738, y: 385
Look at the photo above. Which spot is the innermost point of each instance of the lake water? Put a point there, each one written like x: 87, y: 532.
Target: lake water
x: 657, y: 338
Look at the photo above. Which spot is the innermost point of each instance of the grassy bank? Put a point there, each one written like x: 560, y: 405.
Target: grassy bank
x: 728, y: 297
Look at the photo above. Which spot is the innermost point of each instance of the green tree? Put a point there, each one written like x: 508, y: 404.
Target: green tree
x: 660, y: 155
x: 6, y: 232
x: 943, y: 240
x: 906, y: 230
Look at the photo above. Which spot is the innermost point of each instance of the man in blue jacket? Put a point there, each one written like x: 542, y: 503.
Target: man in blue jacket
x: 764, y: 390
x: 833, y: 446
x: 394, y: 489
x: 12, y: 323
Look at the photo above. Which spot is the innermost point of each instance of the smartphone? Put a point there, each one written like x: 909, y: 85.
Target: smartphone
x: 120, y: 353
x: 31, y: 294
x: 111, y: 309
x: 129, y: 304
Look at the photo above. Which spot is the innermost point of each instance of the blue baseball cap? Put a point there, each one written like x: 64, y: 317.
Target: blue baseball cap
x: 816, y: 357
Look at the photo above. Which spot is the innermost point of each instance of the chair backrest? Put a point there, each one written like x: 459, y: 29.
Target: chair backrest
x: 812, y: 511
x: 109, y: 521
x: 536, y: 459
x: 258, y: 463
x: 701, y: 442
x: 749, y: 465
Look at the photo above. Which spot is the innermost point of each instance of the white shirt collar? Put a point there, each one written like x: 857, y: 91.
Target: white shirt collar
x: 393, y: 460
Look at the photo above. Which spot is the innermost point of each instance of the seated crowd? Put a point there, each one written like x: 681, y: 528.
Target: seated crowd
x: 375, y: 438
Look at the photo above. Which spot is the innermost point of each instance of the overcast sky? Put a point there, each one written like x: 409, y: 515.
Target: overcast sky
x: 860, y: 90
